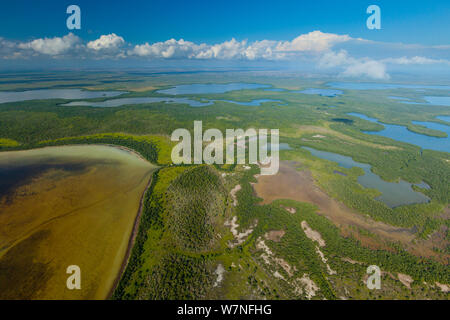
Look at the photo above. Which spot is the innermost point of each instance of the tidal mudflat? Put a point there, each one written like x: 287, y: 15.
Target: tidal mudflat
x: 62, y: 206
x: 299, y: 185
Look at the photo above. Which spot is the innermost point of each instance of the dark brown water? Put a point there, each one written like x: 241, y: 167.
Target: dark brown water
x: 14, y: 176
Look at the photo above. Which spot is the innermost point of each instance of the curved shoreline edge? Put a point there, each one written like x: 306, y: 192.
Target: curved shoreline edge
x: 131, y: 240
x: 117, y: 146
x: 137, y: 219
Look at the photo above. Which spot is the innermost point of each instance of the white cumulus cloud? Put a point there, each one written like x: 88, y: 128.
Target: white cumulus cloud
x: 168, y: 49
x: 370, y: 68
x: 313, y: 41
x: 52, y: 46
x: 353, y: 67
x: 106, y: 42
x: 226, y: 50
x: 367, y: 58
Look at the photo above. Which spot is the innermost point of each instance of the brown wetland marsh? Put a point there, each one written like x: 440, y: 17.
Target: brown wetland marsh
x: 61, y: 206
x: 299, y: 185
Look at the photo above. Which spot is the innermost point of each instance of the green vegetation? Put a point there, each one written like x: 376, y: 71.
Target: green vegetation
x: 7, y: 143
x: 166, y: 265
x: 408, y: 164
x: 191, y: 214
x: 176, y: 237
x: 299, y: 251
x: 185, y: 234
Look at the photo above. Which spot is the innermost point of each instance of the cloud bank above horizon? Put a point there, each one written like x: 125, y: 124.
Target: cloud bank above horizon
x: 327, y: 51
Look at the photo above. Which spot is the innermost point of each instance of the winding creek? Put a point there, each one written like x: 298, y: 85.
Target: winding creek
x: 393, y: 194
x: 401, y: 133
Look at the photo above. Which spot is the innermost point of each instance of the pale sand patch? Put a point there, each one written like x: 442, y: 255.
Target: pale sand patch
x: 268, y: 256
x: 219, y: 272
x: 281, y: 262
x: 351, y: 261
x: 261, y: 245
x: 239, y: 237
x: 226, y: 118
x: 383, y: 273
x: 233, y: 194
x: 444, y: 287
x: 312, y: 234
x: 278, y: 275
x: 310, y: 287
x: 275, y: 235
x: 405, y: 279
x: 301, y: 285
x: 290, y: 210
x: 325, y: 260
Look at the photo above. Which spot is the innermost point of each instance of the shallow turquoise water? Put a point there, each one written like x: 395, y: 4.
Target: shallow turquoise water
x: 394, y: 194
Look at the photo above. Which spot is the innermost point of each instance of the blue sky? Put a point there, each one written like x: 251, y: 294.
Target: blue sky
x: 330, y: 34
x: 409, y: 21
